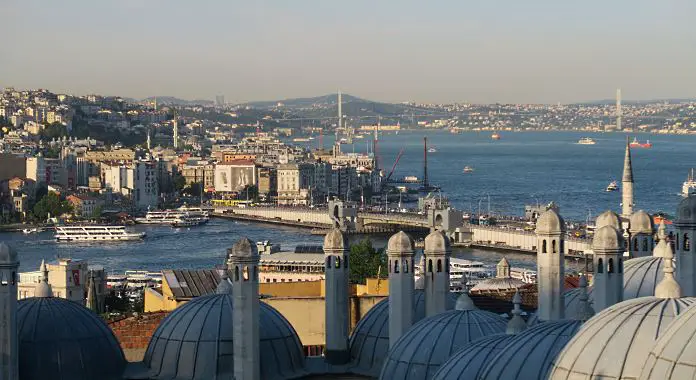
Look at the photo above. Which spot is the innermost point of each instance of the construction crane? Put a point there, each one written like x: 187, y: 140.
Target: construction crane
x: 398, y: 157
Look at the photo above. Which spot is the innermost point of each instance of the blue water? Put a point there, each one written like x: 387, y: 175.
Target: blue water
x: 520, y: 168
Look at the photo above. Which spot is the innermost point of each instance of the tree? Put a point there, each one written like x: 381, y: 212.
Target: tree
x: 54, y: 130
x: 179, y: 182
x: 51, y: 204
x: 193, y: 189
x: 365, y: 261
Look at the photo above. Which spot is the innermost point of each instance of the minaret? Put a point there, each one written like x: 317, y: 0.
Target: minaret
x: 8, y: 313
x: 176, y: 132
x: 641, y: 242
x: 436, y: 272
x: 336, y: 292
x: 608, y: 247
x: 92, y: 302
x: 401, y: 285
x: 149, y: 140
x: 685, y: 224
x: 516, y: 324
x: 550, y: 229
x: 627, y: 185
x: 243, y: 260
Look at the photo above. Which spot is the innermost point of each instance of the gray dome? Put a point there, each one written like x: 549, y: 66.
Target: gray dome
x: 437, y: 241
x: 497, y: 283
x: 673, y: 355
x: 419, y: 353
x: 616, y: 342
x: 686, y: 211
x: 335, y: 239
x: 369, y: 344
x: 195, y: 342
x: 469, y: 362
x: 641, y: 223
x: 400, y: 242
x: 550, y: 223
x: 608, y: 218
x: 530, y: 354
x: 243, y: 248
x: 607, y: 238
x: 7, y: 254
x: 61, y: 339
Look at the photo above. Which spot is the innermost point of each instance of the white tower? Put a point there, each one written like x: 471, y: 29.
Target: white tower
x: 608, y: 247
x: 336, y: 293
x: 436, y: 272
x: 8, y: 313
x: 627, y: 185
x: 243, y: 261
x: 686, y: 252
x: 640, y: 229
x: 149, y: 140
x: 401, y: 285
x: 550, y: 266
x: 176, y: 132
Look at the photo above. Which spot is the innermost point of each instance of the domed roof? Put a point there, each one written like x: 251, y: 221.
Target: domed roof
x: 437, y: 241
x: 641, y: 223
x: 607, y: 238
x: 496, y: 283
x: 673, y: 355
x: 7, y: 254
x: 616, y: 342
x: 469, y: 362
x: 243, y: 248
x: 608, y: 218
x: 195, y: 341
x: 61, y: 339
x: 369, y: 343
x: 549, y: 222
x: 400, y: 242
x: 686, y: 211
x: 335, y: 239
x: 530, y: 354
x: 420, y: 352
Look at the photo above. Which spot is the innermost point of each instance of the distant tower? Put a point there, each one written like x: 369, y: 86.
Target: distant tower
x: 155, y: 103
x: 627, y: 185
x: 685, y: 224
x: 8, y: 313
x: 149, y: 140
x: 336, y: 293
x: 550, y: 266
x: 618, y: 109
x: 436, y: 272
x: 92, y: 301
x: 176, y: 131
x: 401, y: 285
x: 608, y: 247
x: 243, y: 260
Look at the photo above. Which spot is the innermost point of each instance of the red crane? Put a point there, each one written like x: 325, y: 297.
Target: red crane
x: 398, y: 157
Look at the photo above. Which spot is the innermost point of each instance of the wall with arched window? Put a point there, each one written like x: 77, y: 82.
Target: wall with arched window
x: 600, y: 266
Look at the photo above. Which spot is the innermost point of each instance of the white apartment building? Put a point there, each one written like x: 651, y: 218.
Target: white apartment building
x: 137, y: 180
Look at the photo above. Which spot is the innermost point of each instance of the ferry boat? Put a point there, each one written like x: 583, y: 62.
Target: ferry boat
x: 171, y: 216
x: 637, y: 144
x: 495, y: 136
x: 468, y: 169
x: 586, y: 141
x: 96, y: 233
x: 473, y: 271
x: 189, y: 221
x: 432, y: 150
x: 689, y: 186
x: 613, y: 186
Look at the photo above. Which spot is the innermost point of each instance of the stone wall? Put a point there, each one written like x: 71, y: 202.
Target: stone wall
x: 134, y: 333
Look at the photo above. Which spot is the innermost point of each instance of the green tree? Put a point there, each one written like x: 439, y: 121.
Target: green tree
x: 54, y: 130
x: 193, y: 189
x: 51, y: 204
x: 96, y: 213
x: 366, y: 261
x: 179, y: 182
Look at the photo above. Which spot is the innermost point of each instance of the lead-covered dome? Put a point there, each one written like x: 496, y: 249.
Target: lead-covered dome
x: 608, y: 218
x: 549, y: 223
x: 615, y: 343
x: 686, y: 211
x: 640, y: 223
x: 469, y: 362
x: 674, y: 356
x: 369, y: 343
x: 61, y: 339
x: 607, y: 237
x: 530, y: 354
x: 419, y: 353
x: 195, y: 341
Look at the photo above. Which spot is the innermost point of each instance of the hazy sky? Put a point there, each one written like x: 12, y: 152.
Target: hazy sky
x: 439, y: 51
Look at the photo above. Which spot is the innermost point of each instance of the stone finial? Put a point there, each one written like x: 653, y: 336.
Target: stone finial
x: 668, y: 287
x: 585, y: 311
x: 464, y: 303
x: 243, y: 248
x: 7, y: 254
x: 516, y: 324
x: 43, y: 288
x: 437, y: 243
x: 400, y: 243
x: 335, y: 239
x: 662, y: 230
x: 662, y: 246
x: 224, y: 286
x: 550, y: 223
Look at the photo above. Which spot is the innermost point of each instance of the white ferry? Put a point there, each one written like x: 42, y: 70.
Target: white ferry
x: 475, y: 272
x: 189, y: 221
x: 96, y: 233
x: 173, y: 216
x: 586, y: 141
x: 689, y: 186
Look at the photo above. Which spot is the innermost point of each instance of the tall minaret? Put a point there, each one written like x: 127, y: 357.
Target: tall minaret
x: 149, y: 140
x: 176, y: 131
x: 550, y: 229
x: 336, y: 297
x: 436, y: 272
x: 8, y: 313
x: 627, y: 185
x: 243, y: 261
x: 92, y: 302
x: 401, y: 285
x: 685, y: 224
x: 608, y: 247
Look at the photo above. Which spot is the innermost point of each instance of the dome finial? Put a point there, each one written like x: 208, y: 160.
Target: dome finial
x: 43, y: 289
x: 662, y: 230
x: 668, y: 287
x: 224, y: 286
x: 585, y: 311
x: 464, y: 303
x: 516, y: 323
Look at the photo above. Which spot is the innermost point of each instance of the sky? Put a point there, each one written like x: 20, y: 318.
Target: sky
x: 507, y: 51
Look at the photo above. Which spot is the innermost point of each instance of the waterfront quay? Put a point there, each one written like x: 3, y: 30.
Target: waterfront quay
x: 506, y: 237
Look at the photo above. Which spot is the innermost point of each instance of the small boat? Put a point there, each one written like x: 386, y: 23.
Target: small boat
x: 637, y: 144
x: 28, y: 231
x: 613, y: 186
x: 586, y: 141
x: 495, y: 136
x: 689, y: 186
x: 432, y: 149
x: 468, y: 169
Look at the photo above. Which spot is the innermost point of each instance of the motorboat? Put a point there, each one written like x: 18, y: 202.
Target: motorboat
x: 613, y: 186
x: 495, y: 136
x: 432, y: 150
x: 586, y: 141
x: 689, y: 186
x: 468, y: 169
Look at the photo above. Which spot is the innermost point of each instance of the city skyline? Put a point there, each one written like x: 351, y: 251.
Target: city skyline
x: 506, y: 52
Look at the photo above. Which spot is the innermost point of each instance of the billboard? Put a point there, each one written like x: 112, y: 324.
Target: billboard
x: 229, y: 178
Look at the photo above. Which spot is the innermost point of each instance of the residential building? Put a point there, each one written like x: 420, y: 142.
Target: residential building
x: 83, y: 205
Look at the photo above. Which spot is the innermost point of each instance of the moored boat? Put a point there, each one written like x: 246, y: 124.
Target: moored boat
x: 689, y: 186
x: 96, y: 233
